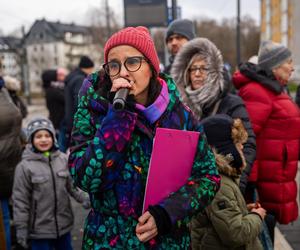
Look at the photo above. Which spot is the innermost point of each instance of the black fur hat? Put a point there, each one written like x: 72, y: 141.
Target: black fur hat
x: 86, y: 62
x: 218, y: 130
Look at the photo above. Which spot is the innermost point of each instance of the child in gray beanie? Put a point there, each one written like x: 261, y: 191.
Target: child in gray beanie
x: 43, y: 215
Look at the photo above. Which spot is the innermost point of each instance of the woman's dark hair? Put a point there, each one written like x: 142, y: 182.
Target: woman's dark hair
x: 154, y: 87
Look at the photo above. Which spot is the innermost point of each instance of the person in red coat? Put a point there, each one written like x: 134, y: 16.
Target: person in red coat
x: 275, y: 120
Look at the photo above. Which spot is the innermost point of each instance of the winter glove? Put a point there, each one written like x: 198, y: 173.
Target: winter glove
x: 162, y: 219
x: 22, y: 239
x: 117, y: 127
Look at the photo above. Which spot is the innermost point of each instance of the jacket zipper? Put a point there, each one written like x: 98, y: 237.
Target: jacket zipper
x: 55, y: 198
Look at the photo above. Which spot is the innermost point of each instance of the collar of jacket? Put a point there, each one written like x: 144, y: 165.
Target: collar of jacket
x: 263, y: 77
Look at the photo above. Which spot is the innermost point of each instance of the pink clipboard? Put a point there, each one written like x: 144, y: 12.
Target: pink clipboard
x: 171, y: 163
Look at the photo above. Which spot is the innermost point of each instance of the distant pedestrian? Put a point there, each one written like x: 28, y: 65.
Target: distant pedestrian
x: 10, y: 155
x: 276, y: 121
x: 73, y: 84
x: 179, y: 32
x: 228, y: 223
x: 198, y: 71
x: 53, y: 83
x: 43, y: 215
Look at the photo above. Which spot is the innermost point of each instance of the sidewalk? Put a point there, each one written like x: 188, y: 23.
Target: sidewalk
x: 291, y: 236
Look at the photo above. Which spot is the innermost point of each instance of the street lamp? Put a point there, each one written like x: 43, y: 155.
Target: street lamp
x: 238, y: 34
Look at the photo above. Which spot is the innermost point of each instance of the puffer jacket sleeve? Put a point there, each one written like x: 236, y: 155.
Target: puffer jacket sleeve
x: 21, y: 197
x: 97, y: 149
x: 258, y: 104
x: 200, y: 188
x: 234, y: 228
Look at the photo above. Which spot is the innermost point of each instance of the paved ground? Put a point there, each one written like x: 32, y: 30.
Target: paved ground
x: 291, y: 232
x: 287, y: 237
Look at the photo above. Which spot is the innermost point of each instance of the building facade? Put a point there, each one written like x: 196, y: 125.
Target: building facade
x: 50, y: 45
x: 280, y: 23
x: 10, y: 56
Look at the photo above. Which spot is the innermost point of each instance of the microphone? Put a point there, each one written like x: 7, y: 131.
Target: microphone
x: 120, y: 98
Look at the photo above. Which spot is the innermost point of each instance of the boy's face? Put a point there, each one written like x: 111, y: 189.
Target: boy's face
x: 42, y: 140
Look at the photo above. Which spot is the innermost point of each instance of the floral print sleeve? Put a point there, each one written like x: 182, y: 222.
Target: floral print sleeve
x: 109, y: 159
x: 200, y: 188
x: 97, y: 146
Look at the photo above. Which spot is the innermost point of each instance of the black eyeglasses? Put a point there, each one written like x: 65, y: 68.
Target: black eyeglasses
x: 202, y: 70
x: 132, y: 64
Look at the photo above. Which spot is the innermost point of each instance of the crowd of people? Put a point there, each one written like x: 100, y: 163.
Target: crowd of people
x: 243, y: 177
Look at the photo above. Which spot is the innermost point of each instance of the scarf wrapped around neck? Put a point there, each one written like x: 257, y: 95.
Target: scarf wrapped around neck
x: 204, y: 97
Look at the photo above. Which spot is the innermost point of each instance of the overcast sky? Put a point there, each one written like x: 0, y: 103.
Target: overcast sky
x: 14, y: 13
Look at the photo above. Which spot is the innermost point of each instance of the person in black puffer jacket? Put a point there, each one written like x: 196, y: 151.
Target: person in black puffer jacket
x: 198, y: 71
x: 53, y: 83
x: 73, y: 84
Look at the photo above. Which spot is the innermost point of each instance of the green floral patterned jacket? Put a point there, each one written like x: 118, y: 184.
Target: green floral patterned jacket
x: 109, y: 159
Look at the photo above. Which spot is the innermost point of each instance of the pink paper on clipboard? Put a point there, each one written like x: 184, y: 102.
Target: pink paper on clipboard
x: 170, y: 164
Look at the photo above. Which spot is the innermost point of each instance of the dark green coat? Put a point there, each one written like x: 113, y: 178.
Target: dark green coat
x: 230, y: 224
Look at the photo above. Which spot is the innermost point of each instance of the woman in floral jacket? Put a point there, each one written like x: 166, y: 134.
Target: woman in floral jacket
x: 111, y: 150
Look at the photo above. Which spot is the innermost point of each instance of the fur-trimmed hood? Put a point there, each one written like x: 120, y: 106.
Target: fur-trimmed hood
x: 223, y: 164
x: 214, y: 84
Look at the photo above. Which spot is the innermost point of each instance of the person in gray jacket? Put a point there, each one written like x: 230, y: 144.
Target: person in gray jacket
x: 42, y: 209
x: 228, y: 223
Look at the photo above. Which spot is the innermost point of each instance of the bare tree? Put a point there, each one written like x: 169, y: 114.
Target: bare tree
x: 97, y: 20
x: 159, y: 42
x: 223, y: 34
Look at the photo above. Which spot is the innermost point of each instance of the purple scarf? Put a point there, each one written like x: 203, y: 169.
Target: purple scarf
x: 156, y: 109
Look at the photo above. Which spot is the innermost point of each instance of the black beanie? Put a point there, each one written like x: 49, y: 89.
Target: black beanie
x: 218, y: 130
x: 182, y: 27
x: 49, y: 76
x: 86, y: 62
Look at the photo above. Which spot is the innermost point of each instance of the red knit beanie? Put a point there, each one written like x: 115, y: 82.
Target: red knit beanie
x: 137, y: 37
